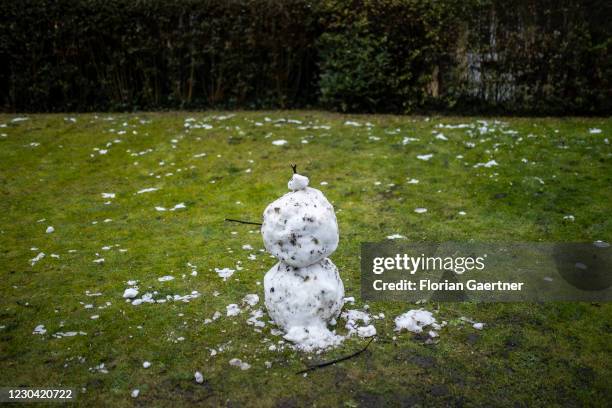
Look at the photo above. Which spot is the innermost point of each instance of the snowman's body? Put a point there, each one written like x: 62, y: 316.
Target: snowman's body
x: 303, y: 292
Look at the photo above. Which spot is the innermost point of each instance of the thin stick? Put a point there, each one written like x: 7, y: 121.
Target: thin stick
x: 328, y: 363
x: 243, y: 222
x: 294, y: 167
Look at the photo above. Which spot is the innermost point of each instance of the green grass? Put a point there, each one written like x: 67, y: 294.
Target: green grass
x: 552, y: 354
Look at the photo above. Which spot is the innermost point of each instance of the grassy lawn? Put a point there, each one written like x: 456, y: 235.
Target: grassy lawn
x: 54, y: 170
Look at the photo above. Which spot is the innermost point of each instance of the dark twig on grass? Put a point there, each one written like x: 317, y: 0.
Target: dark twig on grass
x: 294, y: 167
x: 328, y: 363
x: 243, y: 222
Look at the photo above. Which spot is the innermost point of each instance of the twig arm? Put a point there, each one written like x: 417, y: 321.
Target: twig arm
x: 328, y: 363
x: 243, y: 222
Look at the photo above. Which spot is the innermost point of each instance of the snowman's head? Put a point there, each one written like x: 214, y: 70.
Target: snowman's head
x: 300, y: 228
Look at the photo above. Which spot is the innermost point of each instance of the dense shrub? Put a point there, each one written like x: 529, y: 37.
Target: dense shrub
x: 526, y: 56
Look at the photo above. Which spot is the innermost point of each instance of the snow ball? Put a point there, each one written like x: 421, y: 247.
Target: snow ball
x: 130, y: 293
x: 303, y: 297
x: 146, y: 364
x: 40, y: 329
x: 478, y: 326
x: 199, y: 378
x: 232, y: 310
x: 300, y: 228
x: 236, y: 362
x: 49, y: 229
x: 135, y: 392
x: 280, y: 142
x: 298, y: 182
x: 420, y: 210
x: 414, y: 320
x: 251, y: 299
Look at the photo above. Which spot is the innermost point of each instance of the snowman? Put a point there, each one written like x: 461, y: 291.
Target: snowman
x: 303, y: 291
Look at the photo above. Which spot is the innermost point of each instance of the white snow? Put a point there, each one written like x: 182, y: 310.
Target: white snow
x: 425, y: 156
x: 236, y: 362
x: 146, y: 364
x: 490, y: 163
x: 478, y: 326
x: 147, y: 190
x: 594, y: 131
x: 279, y: 142
x: 108, y: 195
x: 366, y: 331
x: 166, y: 278
x: 135, y: 392
x: 414, y: 320
x: 251, y: 299
x: 49, y: 229
x: 301, y: 300
x: 396, y: 236
x: 130, y: 293
x: 40, y: 329
x: 232, y: 310
x: 297, y: 182
x: 300, y: 228
x: 420, y: 210
x: 224, y: 273
x: 199, y: 378
x: 37, y: 258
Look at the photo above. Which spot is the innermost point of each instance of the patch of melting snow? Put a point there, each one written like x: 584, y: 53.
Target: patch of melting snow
x: 569, y: 217
x: 396, y: 236
x: 254, y: 319
x: 420, y: 210
x: 135, y: 393
x: 40, y: 329
x: 414, y: 321
x: 236, y: 362
x: 108, y: 195
x: 165, y: 278
x: 199, y: 378
x: 130, y: 293
x: 490, y: 163
x: 232, y: 310
x: 50, y: 229
x: 478, y: 326
x: 280, y: 142
x: 425, y: 157
x: 224, y: 273
x: 594, y: 131
x: 37, y: 258
x: 251, y: 299
x: 147, y: 190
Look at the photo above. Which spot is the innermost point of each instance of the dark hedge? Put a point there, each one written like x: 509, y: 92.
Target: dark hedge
x: 520, y: 56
